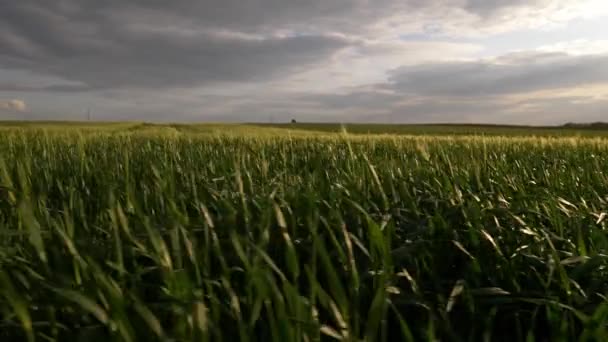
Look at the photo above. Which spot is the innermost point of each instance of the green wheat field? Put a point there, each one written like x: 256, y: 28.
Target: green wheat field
x: 141, y: 232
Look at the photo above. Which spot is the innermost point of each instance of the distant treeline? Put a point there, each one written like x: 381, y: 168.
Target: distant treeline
x: 588, y: 125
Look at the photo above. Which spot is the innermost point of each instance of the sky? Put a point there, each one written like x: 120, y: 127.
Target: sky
x: 531, y: 62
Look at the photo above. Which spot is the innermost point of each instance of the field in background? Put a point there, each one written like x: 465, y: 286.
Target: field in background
x: 132, y: 231
x: 316, y: 128
x: 444, y: 129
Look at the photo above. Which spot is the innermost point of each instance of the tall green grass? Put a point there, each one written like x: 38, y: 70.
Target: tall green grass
x: 133, y: 236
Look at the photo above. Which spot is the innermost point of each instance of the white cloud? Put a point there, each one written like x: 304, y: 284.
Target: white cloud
x: 369, y: 61
x: 13, y: 105
x: 578, y: 47
x: 481, y: 18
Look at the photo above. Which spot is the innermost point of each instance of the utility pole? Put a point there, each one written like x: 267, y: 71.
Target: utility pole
x: 89, y: 114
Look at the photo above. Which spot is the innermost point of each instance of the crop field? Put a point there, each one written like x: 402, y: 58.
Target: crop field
x: 137, y: 232
x: 597, y: 130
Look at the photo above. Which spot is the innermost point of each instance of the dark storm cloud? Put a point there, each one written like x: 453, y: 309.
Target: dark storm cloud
x: 157, y: 44
x: 506, y: 75
x: 104, y: 47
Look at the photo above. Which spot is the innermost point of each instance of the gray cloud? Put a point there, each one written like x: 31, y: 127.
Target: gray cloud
x: 154, y: 43
x: 353, y: 100
x: 140, y: 51
x: 500, y: 89
x: 517, y: 73
x: 115, y: 44
x: 60, y: 88
x: 538, y: 111
x: 139, y: 58
x: 485, y: 7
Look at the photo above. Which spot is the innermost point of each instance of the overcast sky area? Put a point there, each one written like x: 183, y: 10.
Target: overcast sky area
x: 388, y: 61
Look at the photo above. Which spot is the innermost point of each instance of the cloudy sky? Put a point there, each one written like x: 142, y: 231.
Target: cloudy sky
x: 486, y: 61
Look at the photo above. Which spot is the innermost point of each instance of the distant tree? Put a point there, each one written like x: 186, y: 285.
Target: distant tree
x: 293, y: 121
